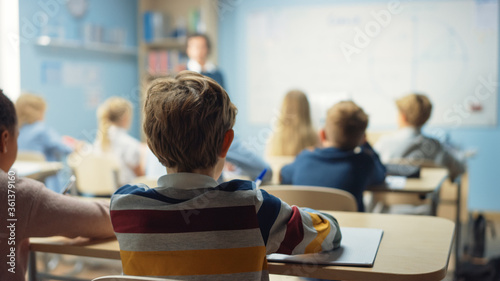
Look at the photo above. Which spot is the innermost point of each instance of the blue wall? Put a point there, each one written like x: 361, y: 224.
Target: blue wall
x: 484, y: 190
x: 72, y: 105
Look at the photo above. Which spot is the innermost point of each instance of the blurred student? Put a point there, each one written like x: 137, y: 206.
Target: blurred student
x: 191, y: 227
x: 34, y: 134
x: 294, y: 131
x: 39, y: 212
x: 198, y: 49
x: 409, y: 143
x: 246, y: 162
x: 346, y: 161
x: 115, y: 118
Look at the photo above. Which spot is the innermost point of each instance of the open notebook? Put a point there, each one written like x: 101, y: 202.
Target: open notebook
x: 359, y: 247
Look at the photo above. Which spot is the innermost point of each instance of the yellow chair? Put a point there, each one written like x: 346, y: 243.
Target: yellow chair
x: 96, y: 175
x: 315, y: 197
x: 128, y: 278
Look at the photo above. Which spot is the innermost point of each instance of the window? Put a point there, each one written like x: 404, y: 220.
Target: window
x: 10, y: 74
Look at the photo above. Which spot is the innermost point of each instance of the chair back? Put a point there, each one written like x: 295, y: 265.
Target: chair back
x: 32, y: 156
x: 128, y: 278
x: 276, y: 163
x: 315, y: 197
x: 96, y: 175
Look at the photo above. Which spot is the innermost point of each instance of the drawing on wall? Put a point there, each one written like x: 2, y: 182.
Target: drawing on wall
x: 374, y: 53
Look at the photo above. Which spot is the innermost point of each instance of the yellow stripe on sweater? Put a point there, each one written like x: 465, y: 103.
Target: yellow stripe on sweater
x: 323, y: 228
x: 194, y: 262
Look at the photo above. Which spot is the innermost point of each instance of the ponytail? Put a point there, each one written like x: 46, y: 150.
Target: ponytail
x: 110, y: 113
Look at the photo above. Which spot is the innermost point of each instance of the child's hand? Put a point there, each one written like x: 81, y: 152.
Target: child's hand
x: 73, y: 143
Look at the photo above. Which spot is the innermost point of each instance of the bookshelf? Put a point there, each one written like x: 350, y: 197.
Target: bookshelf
x: 76, y: 45
x: 162, y: 41
x: 174, y: 12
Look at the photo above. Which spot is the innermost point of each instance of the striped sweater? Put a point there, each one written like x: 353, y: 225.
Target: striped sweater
x: 191, y: 228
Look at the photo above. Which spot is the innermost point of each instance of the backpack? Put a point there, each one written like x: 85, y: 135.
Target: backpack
x: 468, y: 271
x: 473, y: 271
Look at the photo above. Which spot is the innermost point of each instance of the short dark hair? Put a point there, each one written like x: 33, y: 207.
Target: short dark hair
x: 8, y: 118
x: 204, y: 36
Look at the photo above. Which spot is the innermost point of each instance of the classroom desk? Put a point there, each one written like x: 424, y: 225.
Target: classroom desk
x: 430, y: 179
x: 413, y: 248
x: 429, y: 182
x: 37, y: 170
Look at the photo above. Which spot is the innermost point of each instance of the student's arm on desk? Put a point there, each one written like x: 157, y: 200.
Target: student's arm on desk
x: 292, y: 230
x: 250, y: 163
x: 452, y: 161
x: 379, y: 171
x: 52, y: 214
x: 53, y: 142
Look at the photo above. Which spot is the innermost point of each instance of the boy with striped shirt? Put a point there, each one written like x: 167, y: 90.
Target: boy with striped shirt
x: 190, y: 227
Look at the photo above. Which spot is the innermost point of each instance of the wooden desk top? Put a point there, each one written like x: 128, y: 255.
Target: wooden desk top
x: 413, y: 248
x: 430, y: 179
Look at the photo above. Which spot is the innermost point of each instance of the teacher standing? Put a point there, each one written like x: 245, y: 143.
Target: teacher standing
x: 198, y: 49
x: 239, y: 154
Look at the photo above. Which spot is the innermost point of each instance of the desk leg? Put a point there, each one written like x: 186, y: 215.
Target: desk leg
x: 458, y: 227
x: 32, y: 272
x: 434, y: 202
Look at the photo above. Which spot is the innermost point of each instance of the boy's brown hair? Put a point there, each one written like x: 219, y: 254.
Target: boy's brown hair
x: 416, y: 108
x: 186, y: 119
x: 346, y: 123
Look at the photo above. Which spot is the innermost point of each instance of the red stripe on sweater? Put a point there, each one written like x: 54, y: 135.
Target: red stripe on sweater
x: 294, y: 233
x: 178, y: 221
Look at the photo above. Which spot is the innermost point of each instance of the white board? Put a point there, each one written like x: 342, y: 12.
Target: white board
x: 445, y: 49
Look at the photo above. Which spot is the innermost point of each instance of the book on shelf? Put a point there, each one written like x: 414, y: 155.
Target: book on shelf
x: 155, y: 26
x: 165, y: 62
x: 159, y: 26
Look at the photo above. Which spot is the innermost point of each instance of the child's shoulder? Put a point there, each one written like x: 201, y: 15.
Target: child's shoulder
x: 132, y: 196
x: 237, y: 185
x: 309, y: 152
x: 132, y: 190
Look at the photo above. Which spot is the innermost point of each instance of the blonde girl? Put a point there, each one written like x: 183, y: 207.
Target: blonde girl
x: 115, y: 117
x: 294, y: 131
x: 34, y: 134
